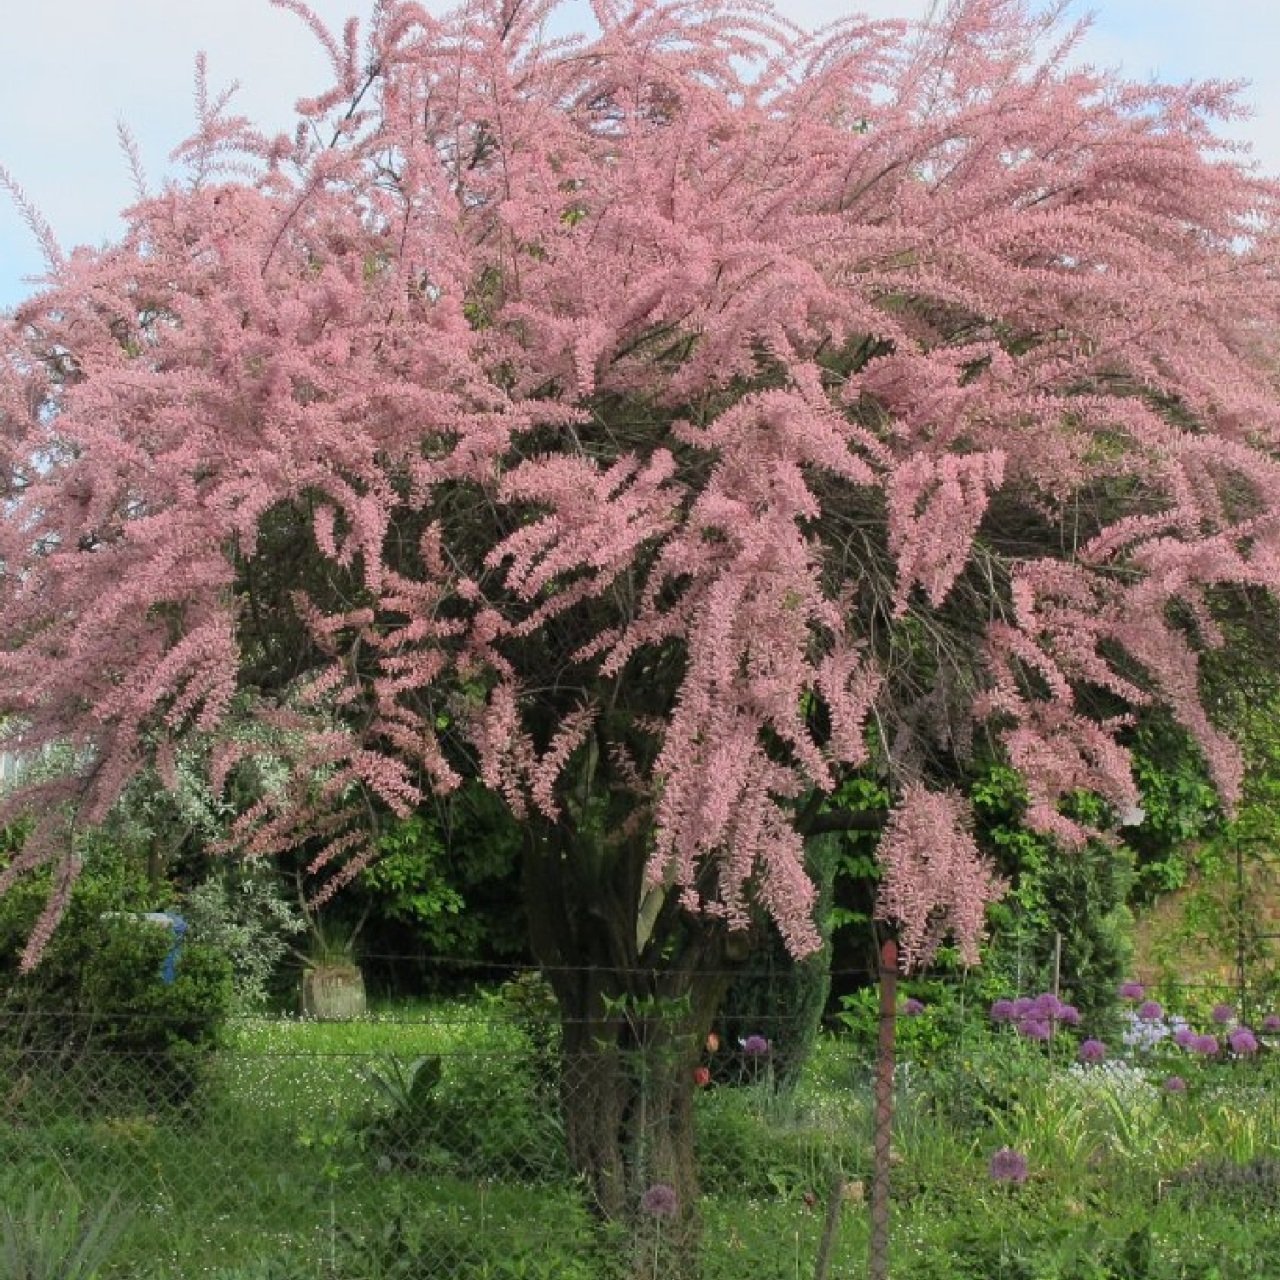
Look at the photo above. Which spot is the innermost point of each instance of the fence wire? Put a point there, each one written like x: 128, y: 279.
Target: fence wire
x: 468, y: 1141
x: 442, y: 1145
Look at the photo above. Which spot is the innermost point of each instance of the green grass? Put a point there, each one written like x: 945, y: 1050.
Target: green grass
x: 267, y: 1180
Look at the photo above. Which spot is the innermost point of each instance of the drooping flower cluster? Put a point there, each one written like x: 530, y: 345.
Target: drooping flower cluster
x: 934, y: 879
x: 648, y: 412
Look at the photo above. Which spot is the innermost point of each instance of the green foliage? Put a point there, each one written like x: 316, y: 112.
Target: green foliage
x: 527, y: 1002
x: 446, y: 883
x: 1179, y: 802
x: 1067, y: 906
x: 52, y: 1236
x: 493, y: 1245
x: 994, y: 1077
x: 779, y: 997
x: 410, y: 876
x: 954, y: 1012
x: 1232, y: 877
x: 405, y: 1093
x: 242, y: 913
x: 856, y: 871
x: 752, y: 1147
x: 1255, y: 1183
x: 471, y: 1116
x: 97, y: 993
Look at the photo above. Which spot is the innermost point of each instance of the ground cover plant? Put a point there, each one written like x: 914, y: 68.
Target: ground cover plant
x: 1014, y: 1159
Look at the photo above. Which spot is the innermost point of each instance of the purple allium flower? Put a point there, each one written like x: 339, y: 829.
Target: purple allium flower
x: 1150, y: 1011
x: 1222, y: 1014
x: 1206, y: 1045
x: 1271, y: 1024
x: 1092, y: 1051
x: 1175, y: 1084
x: 1022, y: 1006
x: 1243, y: 1042
x: 1008, y: 1165
x: 1184, y: 1038
x: 1069, y: 1015
x: 1035, y: 1028
x: 1132, y: 991
x: 1002, y: 1011
x: 660, y: 1201
x: 912, y: 1008
x: 1046, y: 1006
x: 755, y: 1046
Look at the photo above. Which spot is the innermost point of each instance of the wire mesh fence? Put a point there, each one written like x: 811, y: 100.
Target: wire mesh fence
x: 455, y: 1142
x: 464, y: 1140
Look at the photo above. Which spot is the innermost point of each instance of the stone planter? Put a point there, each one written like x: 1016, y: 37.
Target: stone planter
x: 333, y: 992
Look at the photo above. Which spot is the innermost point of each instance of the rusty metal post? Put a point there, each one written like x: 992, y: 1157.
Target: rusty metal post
x: 878, y: 1263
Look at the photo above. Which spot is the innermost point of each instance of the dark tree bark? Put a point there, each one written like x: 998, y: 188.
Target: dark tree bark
x: 636, y: 1004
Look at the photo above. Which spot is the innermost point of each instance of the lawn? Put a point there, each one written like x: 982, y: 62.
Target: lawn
x: 287, y: 1165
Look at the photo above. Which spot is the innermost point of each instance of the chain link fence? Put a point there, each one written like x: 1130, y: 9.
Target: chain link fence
x: 456, y: 1141
x: 448, y: 1142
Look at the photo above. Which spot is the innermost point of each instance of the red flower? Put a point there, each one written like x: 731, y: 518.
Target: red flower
x: 702, y: 1076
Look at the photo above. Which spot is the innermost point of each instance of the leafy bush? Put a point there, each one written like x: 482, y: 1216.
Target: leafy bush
x: 1068, y: 904
x: 938, y: 1016
x: 243, y: 914
x: 528, y: 1003
x: 97, y: 1000
x: 477, y: 1115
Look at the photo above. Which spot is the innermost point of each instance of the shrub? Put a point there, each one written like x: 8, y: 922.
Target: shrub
x: 97, y: 1001
x: 476, y: 1115
x: 243, y: 914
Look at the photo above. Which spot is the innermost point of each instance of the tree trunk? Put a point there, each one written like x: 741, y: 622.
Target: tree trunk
x: 634, y: 1018
x: 627, y: 1091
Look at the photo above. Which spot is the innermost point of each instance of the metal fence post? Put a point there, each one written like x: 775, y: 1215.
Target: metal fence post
x: 878, y: 1264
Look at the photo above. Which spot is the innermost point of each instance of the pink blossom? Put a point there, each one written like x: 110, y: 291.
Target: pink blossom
x: 612, y: 421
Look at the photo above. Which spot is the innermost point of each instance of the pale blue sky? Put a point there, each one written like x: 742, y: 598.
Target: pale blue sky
x: 131, y: 60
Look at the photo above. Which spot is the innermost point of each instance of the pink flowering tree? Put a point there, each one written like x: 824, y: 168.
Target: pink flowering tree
x: 660, y: 426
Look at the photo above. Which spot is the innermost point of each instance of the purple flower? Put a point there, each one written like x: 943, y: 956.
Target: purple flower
x: 1008, y: 1165
x: 1046, y: 1006
x: 1175, y: 1084
x: 660, y: 1201
x: 1092, y: 1051
x: 1150, y: 1011
x: 1271, y: 1024
x: 1222, y: 1014
x: 1184, y: 1038
x: 1022, y: 1006
x: 912, y: 1008
x: 1132, y: 991
x: 1069, y: 1015
x: 1243, y: 1042
x: 1002, y: 1011
x: 1035, y: 1028
x: 1206, y: 1045
x: 754, y: 1046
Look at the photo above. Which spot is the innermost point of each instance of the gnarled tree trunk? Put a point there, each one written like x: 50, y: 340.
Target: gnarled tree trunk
x: 635, y: 1008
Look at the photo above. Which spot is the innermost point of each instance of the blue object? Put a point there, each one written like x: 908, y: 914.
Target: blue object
x: 173, y: 921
